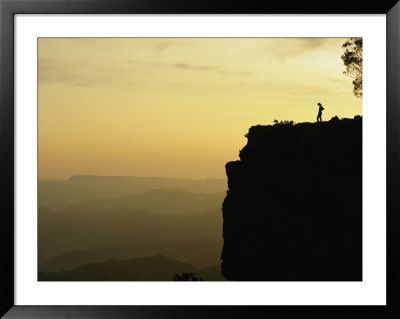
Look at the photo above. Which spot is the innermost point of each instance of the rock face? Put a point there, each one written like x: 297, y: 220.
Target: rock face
x: 293, y: 211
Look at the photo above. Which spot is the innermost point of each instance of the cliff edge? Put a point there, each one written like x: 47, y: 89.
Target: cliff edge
x: 293, y: 210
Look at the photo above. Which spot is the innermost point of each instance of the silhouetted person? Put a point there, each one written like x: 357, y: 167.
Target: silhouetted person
x: 319, y: 117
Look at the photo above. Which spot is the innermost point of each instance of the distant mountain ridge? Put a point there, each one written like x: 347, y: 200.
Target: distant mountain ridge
x: 154, y: 268
x: 157, y: 201
x: 199, y: 253
x: 95, y: 219
x: 93, y: 230
x: 85, y: 188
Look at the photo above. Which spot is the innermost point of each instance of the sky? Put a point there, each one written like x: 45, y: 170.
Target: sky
x: 176, y: 107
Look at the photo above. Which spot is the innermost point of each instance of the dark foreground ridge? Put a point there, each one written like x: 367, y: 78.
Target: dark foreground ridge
x: 152, y: 268
x: 293, y: 211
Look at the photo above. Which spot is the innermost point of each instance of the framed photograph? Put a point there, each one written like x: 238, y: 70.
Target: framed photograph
x: 251, y: 152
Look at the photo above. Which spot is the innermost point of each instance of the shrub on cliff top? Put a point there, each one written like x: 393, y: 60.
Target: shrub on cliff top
x: 276, y: 122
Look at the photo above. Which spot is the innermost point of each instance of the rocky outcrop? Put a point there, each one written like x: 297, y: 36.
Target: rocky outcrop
x: 293, y: 211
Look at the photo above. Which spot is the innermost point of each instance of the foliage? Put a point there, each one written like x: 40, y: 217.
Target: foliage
x: 276, y: 122
x: 353, y: 60
x: 186, y: 277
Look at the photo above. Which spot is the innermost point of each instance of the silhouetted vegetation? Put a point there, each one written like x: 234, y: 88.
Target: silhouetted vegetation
x: 353, y: 60
x: 293, y: 211
x: 186, y: 277
x: 276, y: 122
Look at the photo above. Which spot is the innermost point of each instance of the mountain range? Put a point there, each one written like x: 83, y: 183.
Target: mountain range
x: 82, y: 189
x: 154, y: 268
x: 182, y: 225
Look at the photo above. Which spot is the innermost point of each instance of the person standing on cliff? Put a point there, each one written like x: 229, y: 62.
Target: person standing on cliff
x: 321, y: 108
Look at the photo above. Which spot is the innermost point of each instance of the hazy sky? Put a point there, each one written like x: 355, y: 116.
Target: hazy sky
x: 177, y: 107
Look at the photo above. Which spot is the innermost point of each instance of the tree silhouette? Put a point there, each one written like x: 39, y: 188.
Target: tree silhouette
x: 187, y: 277
x: 276, y: 122
x: 353, y: 60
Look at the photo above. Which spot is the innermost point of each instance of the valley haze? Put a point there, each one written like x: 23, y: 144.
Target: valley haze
x: 85, y: 222
x: 113, y: 109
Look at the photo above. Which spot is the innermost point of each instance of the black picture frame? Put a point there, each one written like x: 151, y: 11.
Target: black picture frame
x: 8, y: 8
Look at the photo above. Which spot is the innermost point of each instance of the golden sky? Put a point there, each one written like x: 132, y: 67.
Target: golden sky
x: 177, y: 107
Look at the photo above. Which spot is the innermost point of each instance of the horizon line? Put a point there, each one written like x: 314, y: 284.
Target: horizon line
x: 40, y: 179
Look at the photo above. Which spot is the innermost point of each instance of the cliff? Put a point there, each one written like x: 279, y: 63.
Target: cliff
x: 293, y: 211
